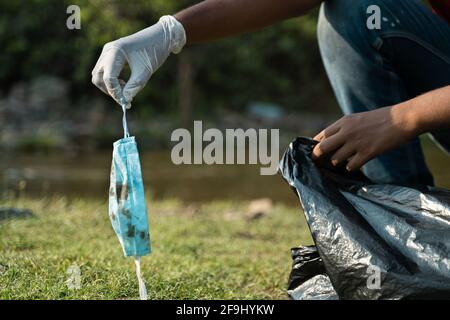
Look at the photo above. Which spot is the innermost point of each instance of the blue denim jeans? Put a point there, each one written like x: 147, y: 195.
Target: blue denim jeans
x: 369, y: 69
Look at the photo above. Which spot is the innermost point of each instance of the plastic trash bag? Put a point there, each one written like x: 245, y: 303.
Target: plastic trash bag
x: 306, y: 264
x: 127, y: 206
x: 308, y: 279
x: 317, y: 288
x: 375, y: 241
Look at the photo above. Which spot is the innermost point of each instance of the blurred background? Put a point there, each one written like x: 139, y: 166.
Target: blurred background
x: 57, y: 129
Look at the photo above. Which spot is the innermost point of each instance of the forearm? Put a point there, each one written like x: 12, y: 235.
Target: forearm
x: 213, y: 19
x: 425, y: 113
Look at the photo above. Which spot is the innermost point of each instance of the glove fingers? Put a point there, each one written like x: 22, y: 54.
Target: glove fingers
x: 97, y: 80
x: 133, y: 86
x: 97, y: 72
x: 141, y: 71
x: 114, y: 62
x: 122, y: 85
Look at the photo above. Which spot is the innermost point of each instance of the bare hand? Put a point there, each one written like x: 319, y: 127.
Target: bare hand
x: 357, y: 138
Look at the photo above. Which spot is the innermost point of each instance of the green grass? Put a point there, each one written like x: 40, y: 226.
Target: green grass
x: 209, y: 251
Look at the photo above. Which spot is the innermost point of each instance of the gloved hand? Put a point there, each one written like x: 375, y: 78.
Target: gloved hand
x: 144, y: 51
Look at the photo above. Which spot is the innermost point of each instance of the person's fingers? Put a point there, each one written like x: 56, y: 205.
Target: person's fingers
x: 332, y: 130
x: 350, y: 158
x: 327, y: 132
x: 136, y: 82
x: 320, y: 136
x: 327, y: 145
x: 342, y: 154
x: 97, y: 72
x: 113, y: 63
x: 356, y: 162
x: 97, y: 80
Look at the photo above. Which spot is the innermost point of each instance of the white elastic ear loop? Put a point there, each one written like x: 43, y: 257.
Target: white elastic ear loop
x: 126, y: 134
x: 142, y: 288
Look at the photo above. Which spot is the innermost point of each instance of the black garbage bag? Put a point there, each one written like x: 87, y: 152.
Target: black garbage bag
x: 308, y: 279
x: 306, y: 263
x: 375, y: 241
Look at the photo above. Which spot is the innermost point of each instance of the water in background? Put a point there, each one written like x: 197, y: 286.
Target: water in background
x: 88, y: 176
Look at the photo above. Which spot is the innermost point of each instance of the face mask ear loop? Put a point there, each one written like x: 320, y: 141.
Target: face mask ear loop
x: 142, y: 288
x: 126, y: 134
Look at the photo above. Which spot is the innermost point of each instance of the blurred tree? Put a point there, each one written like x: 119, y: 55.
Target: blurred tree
x: 279, y: 64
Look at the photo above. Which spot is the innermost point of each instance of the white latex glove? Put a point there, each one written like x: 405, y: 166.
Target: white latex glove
x: 144, y: 51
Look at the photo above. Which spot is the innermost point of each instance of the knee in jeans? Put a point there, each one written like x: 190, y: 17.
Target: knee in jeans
x: 346, y: 18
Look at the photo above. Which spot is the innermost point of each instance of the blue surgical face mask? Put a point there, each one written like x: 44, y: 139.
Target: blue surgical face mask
x: 127, y: 206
